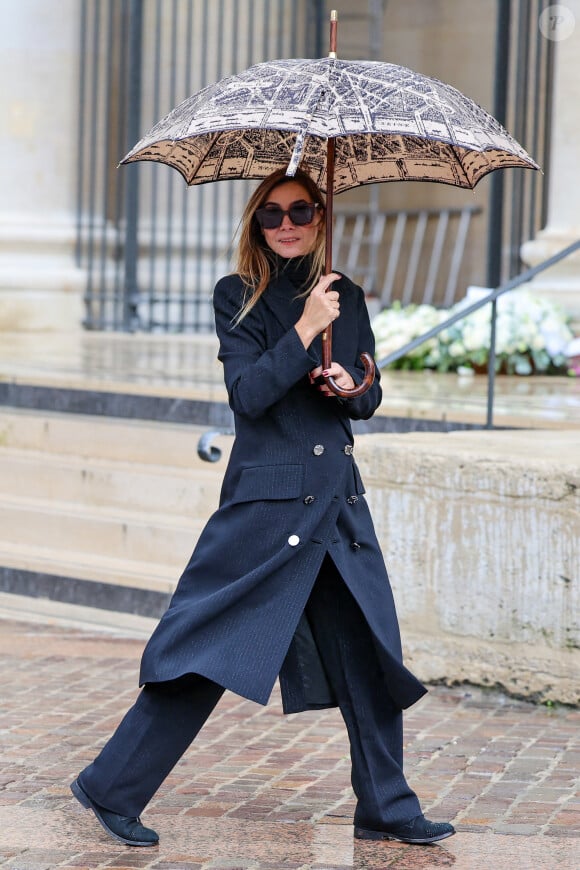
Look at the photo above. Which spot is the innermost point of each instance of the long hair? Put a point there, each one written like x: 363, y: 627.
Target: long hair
x: 253, y: 263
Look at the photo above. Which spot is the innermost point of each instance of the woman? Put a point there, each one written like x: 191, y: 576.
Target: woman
x: 287, y: 578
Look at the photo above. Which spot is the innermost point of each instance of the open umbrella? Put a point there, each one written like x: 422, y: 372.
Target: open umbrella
x: 346, y: 123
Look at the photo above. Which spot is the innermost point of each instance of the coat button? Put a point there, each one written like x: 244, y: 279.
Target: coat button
x: 310, y: 499
x: 352, y: 499
x: 348, y: 449
x: 354, y: 546
x: 293, y: 540
x: 318, y: 449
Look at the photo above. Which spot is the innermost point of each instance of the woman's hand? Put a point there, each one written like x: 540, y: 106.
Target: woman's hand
x: 320, y: 309
x: 341, y: 378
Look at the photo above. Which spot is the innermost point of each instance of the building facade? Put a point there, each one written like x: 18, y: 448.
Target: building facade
x: 65, y: 209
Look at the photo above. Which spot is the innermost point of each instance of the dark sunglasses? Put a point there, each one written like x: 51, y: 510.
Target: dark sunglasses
x: 271, y: 217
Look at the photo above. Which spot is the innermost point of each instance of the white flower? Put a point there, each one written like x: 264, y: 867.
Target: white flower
x: 531, y: 332
x: 537, y: 343
x: 456, y: 348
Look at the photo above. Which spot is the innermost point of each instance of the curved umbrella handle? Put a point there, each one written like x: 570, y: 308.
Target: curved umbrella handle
x: 366, y: 383
x: 365, y: 358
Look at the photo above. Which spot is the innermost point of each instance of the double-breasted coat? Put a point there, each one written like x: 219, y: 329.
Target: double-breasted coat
x: 291, y: 495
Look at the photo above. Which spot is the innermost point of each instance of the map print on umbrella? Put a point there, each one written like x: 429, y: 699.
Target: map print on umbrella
x: 388, y: 122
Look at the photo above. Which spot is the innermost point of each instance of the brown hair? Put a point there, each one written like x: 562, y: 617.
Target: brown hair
x: 253, y: 264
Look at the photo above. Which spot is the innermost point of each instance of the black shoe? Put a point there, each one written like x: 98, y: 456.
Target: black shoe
x: 125, y: 829
x: 419, y: 831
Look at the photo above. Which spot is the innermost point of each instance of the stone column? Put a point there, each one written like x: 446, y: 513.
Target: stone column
x: 40, y: 285
x: 561, y: 283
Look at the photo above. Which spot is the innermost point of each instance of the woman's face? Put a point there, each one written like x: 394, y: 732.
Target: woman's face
x: 290, y: 240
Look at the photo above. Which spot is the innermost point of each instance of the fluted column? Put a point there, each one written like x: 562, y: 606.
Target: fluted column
x: 40, y: 286
x: 561, y: 283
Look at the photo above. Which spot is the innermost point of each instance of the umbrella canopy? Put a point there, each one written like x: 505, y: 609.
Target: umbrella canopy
x: 388, y: 123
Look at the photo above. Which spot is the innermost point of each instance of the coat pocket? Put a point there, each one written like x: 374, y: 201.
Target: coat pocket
x: 270, y: 483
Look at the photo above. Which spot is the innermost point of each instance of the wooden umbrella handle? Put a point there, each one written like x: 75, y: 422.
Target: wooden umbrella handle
x: 365, y: 358
x: 366, y: 383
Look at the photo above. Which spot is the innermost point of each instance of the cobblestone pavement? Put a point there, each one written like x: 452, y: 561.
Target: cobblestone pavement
x: 260, y: 791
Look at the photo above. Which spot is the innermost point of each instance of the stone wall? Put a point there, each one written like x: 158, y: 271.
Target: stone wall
x: 481, y: 533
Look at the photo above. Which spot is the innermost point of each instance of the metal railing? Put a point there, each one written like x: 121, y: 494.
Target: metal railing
x: 491, y: 298
x: 522, y: 102
x: 412, y: 255
x: 151, y: 247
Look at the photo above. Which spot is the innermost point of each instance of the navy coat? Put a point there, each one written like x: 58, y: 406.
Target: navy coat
x: 291, y: 494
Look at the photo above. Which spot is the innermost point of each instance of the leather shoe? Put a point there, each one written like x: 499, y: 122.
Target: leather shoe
x: 125, y: 829
x: 419, y: 831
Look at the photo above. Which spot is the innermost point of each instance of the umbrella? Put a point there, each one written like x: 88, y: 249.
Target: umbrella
x: 346, y: 123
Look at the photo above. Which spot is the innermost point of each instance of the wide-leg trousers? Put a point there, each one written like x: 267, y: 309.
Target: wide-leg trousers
x: 167, y: 716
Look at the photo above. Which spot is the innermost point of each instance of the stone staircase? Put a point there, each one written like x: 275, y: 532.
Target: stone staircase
x: 100, y: 511
x: 99, y: 515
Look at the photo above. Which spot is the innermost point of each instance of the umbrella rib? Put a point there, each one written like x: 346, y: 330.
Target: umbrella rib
x: 361, y: 105
x: 302, y: 131
x: 458, y: 157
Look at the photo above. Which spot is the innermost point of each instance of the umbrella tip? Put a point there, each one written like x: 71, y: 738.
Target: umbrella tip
x: 333, y: 29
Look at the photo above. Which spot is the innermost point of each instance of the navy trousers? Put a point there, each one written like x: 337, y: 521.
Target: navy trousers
x: 167, y: 716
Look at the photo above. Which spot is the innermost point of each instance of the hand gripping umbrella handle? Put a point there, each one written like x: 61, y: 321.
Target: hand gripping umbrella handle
x: 365, y: 358
x: 367, y: 381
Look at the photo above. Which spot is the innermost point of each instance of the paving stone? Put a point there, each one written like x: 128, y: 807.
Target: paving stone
x: 519, y: 828
x: 260, y: 791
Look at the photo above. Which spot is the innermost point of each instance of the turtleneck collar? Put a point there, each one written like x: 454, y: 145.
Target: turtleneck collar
x: 296, y: 269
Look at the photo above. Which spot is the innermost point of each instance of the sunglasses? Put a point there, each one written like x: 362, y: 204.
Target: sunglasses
x: 271, y: 217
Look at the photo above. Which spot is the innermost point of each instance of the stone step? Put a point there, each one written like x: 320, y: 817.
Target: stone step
x: 100, y: 511
x: 167, y: 489
x: 74, y: 527
x: 94, y: 567
x: 135, y: 441
x: 96, y: 620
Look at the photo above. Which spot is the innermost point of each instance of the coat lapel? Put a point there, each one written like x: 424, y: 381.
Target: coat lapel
x: 282, y: 300
x: 280, y: 297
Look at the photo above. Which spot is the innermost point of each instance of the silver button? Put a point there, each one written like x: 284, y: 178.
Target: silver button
x: 348, y: 448
x: 310, y: 499
x: 352, y: 499
x: 355, y: 546
x: 318, y: 449
x: 293, y: 540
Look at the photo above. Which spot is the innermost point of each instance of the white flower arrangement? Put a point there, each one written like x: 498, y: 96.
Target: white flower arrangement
x: 532, y: 336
